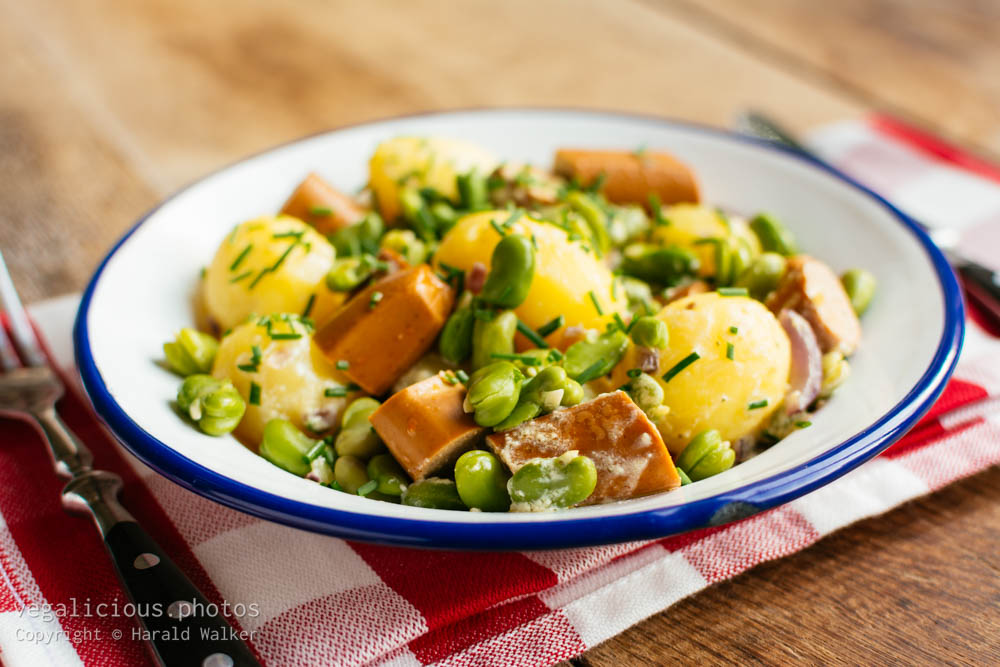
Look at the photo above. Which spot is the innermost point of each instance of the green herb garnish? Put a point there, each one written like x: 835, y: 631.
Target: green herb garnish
x: 531, y: 335
x: 681, y: 365
x: 254, y: 398
x: 240, y: 257
x: 757, y: 404
x: 551, y: 326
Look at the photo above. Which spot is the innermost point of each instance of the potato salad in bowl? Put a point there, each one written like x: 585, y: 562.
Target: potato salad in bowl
x: 474, y: 334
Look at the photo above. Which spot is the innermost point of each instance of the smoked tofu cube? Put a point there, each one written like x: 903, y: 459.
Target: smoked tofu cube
x: 387, y: 327
x: 425, y: 427
x: 630, y: 177
x: 630, y: 456
x: 323, y: 206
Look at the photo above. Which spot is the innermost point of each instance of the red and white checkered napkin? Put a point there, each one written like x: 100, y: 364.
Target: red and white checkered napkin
x: 313, y: 600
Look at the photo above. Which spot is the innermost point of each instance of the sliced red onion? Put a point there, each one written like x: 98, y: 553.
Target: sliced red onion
x: 476, y: 278
x: 806, y: 374
x: 647, y: 359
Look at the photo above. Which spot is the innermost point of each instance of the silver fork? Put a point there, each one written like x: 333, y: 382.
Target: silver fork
x: 179, y: 624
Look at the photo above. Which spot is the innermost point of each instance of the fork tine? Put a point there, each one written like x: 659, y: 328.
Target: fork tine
x: 20, y: 327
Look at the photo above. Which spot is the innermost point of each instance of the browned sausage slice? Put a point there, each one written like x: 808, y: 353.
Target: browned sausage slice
x: 386, y: 327
x: 630, y: 177
x: 323, y: 206
x: 630, y: 456
x: 425, y: 427
x: 812, y: 289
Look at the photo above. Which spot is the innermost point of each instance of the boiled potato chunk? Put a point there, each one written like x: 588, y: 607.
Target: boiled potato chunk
x: 422, y: 163
x: 690, y: 223
x: 565, y: 273
x: 293, y: 376
x: 714, y: 391
x: 286, y: 263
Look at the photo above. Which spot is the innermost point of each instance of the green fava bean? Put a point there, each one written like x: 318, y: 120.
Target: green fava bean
x: 455, y: 343
x: 763, y: 275
x: 773, y: 236
x: 349, y: 272
x: 361, y: 237
x: 350, y: 473
x: 572, y: 393
x: 860, y: 287
x: 645, y: 392
x: 552, y: 483
x: 481, y: 481
x: 286, y: 446
x: 665, y: 266
x: 358, y: 412
x: 434, y: 493
x: 650, y: 332
x: 493, y: 337
x: 493, y: 392
x: 357, y: 437
x: 706, y: 455
x: 595, y: 218
x: 512, y: 268
x: 213, y: 404
x: 589, y: 359
x: 191, y: 352
x: 391, y: 477
x: 534, y: 397
x: 473, y: 192
x: 406, y: 243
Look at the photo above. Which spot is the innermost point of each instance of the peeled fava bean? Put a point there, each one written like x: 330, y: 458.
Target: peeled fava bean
x: 860, y: 287
x: 774, y: 236
x: 350, y: 473
x: 286, y: 446
x: 191, y: 352
x: 434, y: 493
x: 554, y: 483
x: 493, y: 392
x: 495, y: 336
x: 542, y: 393
x: 481, y: 481
x: 213, y: 404
x: 455, y: 343
x: 707, y: 454
x: 645, y: 392
x: 512, y: 268
x: 650, y: 332
x: 590, y: 358
x: 357, y: 437
x: 763, y: 275
x: 389, y: 475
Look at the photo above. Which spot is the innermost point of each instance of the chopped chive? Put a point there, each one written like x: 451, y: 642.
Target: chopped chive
x: 240, y: 257
x: 597, y: 304
x: 757, y: 404
x: 804, y: 424
x: 656, y: 206
x: 320, y: 210
x: 335, y: 485
x: 525, y: 359
x: 309, y: 305
x: 598, y: 182
x: 641, y: 151
x: 255, y: 354
x: 621, y: 323
x: 500, y: 230
x: 236, y: 279
x: 734, y: 330
x: 247, y: 368
x: 681, y: 365
x: 514, y: 217
x: 551, y: 326
x: 253, y: 283
x: 462, y: 375
x: 724, y: 217
x: 335, y: 392
x: 730, y: 351
x: 531, y: 335
x: 634, y: 372
x: 534, y: 242
x: 315, y: 452
x: 733, y: 291
x: 291, y: 335
x: 449, y: 378
x: 591, y: 372
x: 343, y: 365
x: 232, y: 234
x: 376, y: 297
x: 254, y: 394
x: 367, y: 487
x: 555, y: 355
x: 287, y: 235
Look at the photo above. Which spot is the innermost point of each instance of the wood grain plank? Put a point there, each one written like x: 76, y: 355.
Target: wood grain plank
x: 198, y: 84
x: 934, y: 62
x: 68, y: 191
x: 919, y: 585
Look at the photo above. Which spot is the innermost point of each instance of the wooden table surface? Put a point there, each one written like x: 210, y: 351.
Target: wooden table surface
x: 105, y: 107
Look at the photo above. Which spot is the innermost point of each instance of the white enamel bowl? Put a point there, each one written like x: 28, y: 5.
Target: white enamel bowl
x: 141, y: 293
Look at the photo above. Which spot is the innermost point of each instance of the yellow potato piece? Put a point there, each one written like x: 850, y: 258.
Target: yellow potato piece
x: 690, y: 223
x: 292, y: 374
x: 239, y: 282
x: 421, y: 162
x: 565, y: 273
x: 714, y: 391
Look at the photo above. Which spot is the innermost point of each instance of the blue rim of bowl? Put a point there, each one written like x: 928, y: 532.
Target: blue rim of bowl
x: 721, y: 508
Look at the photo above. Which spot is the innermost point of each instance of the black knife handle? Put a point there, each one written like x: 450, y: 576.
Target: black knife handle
x: 179, y: 624
x: 983, y: 285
